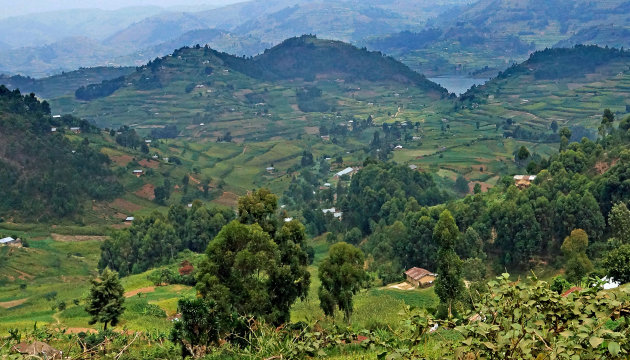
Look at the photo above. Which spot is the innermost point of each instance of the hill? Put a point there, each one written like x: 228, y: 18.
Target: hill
x: 565, y: 86
x: 608, y: 35
x: 486, y: 36
x: 64, y: 83
x: 46, y: 174
x: 287, y: 89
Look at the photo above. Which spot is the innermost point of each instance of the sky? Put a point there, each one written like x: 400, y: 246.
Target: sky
x: 23, y: 7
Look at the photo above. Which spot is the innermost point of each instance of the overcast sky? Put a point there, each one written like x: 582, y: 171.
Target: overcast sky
x: 22, y: 7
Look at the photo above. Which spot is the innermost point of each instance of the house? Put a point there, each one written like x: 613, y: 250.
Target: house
x: 129, y: 219
x: 346, y: 171
x: 325, y: 137
x: 53, y: 129
x: 337, y: 215
x: 419, y: 277
x: 331, y: 210
x: 270, y: 169
x: 523, y: 181
x: 76, y: 130
x: 413, y: 167
x: 327, y: 185
x: 138, y: 173
x: 9, y: 241
x: 398, y: 147
x: 289, y: 219
x: 147, y: 141
x: 56, y: 116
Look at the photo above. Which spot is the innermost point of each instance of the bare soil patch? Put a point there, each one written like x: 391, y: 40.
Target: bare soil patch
x: 77, y: 238
x: 484, y: 186
x: 144, y: 290
x: 121, y: 160
x: 14, y: 303
x: 402, y: 286
x: 125, y: 205
x: 150, y: 164
x: 147, y: 192
x: 312, y: 130
x: 227, y: 199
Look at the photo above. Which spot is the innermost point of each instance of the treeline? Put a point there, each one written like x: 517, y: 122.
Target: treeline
x: 560, y: 63
x: 157, y: 239
x: 95, y: 91
x: 44, y: 175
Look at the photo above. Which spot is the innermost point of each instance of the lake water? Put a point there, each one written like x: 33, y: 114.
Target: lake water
x: 457, y: 84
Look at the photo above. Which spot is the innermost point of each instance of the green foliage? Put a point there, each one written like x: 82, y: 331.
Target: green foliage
x: 43, y: 174
x: 106, y: 298
x: 448, y: 285
x: 619, y: 222
x: 531, y: 321
x: 341, y: 274
x: 156, y: 240
x: 200, y: 326
x: 617, y: 264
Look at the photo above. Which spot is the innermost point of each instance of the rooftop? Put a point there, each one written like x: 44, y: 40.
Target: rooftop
x: 417, y: 273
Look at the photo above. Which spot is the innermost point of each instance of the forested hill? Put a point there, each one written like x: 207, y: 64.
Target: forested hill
x: 308, y: 57
x: 46, y: 174
x: 64, y: 83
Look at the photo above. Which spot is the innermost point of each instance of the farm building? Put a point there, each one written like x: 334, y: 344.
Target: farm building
x: 346, y: 171
x: 523, y: 181
x: 9, y: 241
x: 419, y: 277
x: 138, y: 173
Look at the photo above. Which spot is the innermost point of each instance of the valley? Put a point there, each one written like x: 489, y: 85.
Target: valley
x: 419, y: 180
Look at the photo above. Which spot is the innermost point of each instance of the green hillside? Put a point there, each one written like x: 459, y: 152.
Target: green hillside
x: 63, y: 84
x: 45, y: 174
x: 287, y: 91
x: 565, y: 86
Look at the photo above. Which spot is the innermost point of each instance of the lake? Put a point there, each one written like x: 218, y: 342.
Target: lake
x: 457, y: 84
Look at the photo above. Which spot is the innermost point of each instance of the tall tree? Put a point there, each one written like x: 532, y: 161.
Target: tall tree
x: 449, y: 284
x: 237, y: 269
x: 619, y: 222
x: 258, y: 207
x: 577, y: 262
x: 106, y: 298
x: 342, y: 275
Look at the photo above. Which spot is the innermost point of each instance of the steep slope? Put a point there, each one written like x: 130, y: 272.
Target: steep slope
x: 44, y: 174
x: 64, y: 83
x: 288, y: 90
x: 567, y: 86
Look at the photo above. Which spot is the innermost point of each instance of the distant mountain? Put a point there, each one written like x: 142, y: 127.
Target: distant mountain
x: 603, y: 35
x: 291, y: 85
x: 64, y: 83
x: 63, y: 55
x: 486, y: 36
x: 43, y: 174
x: 49, y: 27
x: 215, y: 38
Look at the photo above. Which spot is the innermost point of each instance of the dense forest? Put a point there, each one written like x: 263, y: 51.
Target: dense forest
x: 44, y: 174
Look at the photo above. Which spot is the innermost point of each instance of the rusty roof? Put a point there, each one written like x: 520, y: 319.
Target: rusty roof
x: 417, y: 273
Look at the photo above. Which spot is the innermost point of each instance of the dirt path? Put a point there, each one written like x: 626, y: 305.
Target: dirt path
x: 11, y: 304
